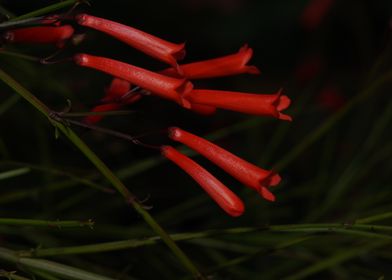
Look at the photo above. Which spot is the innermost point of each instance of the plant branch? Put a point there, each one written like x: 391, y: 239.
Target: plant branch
x: 105, y: 171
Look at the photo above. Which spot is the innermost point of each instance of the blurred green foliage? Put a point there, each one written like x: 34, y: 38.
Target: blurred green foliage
x: 335, y: 157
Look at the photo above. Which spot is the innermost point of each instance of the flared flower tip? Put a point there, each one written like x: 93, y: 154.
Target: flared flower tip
x: 265, y: 193
x: 248, y: 53
x: 281, y: 103
x: 179, y: 53
x: 184, y: 88
x: 271, y: 180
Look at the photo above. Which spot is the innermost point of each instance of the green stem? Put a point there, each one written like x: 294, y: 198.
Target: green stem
x: 331, y: 121
x: 84, y: 181
x: 63, y: 271
x: 375, y: 218
x: 105, y: 171
x: 336, y: 259
x: 43, y: 223
x: 20, y: 55
x: 11, y: 275
x: 14, y: 173
x: 368, y: 231
x: 46, y: 10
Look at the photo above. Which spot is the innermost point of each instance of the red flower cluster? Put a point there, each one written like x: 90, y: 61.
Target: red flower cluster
x: 174, y: 83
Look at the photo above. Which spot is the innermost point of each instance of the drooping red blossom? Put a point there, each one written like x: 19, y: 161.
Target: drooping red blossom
x: 309, y: 68
x: 163, y: 86
x: 228, y: 65
x: 93, y: 119
x: 331, y: 98
x: 249, y: 103
x: 314, y: 13
x: 40, y: 35
x: 142, y: 41
x: 222, y: 195
x: 245, y: 172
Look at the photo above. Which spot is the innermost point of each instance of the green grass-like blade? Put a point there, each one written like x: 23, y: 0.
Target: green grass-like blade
x: 46, y: 10
x: 61, y: 270
x: 14, y: 173
x: 43, y: 223
x: 105, y: 171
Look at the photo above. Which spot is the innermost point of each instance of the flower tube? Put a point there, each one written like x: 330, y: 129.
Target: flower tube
x: 228, y: 65
x: 245, y: 172
x: 142, y: 41
x: 223, y: 196
x: 163, y: 86
x: 40, y: 35
x: 248, y: 103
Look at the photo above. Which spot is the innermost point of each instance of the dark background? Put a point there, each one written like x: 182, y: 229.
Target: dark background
x: 340, y: 175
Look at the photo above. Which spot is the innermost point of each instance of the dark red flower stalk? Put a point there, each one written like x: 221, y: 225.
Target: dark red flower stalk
x: 165, y: 87
x: 40, y: 35
x: 249, y: 103
x: 222, y: 195
x: 315, y: 12
x: 245, y: 172
x: 228, y: 65
x: 144, y: 42
x: 114, y: 99
x: 92, y: 119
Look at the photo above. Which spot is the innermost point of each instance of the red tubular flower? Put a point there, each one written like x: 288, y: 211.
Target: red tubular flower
x: 233, y: 64
x: 101, y: 108
x: 249, y: 103
x: 315, y: 12
x: 40, y: 34
x: 223, y: 196
x: 113, y: 97
x: 166, y: 87
x: 144, y: 42
x: 245, y: 172
x: 117, y: 92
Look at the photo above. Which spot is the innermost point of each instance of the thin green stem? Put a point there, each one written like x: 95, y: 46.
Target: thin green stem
x: 14, y: 173
x: 20, y: 55
x: 42, y: 223
x: 105, y: 171
x: 331, y: 121
x: 368, y: 231
x: 61, y: 270
x: 46, y: 10
x: 336, y: 259
x: 85, y: 181
x: 375, y: 218
x: 11, y: 275
x: 7, y: 104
